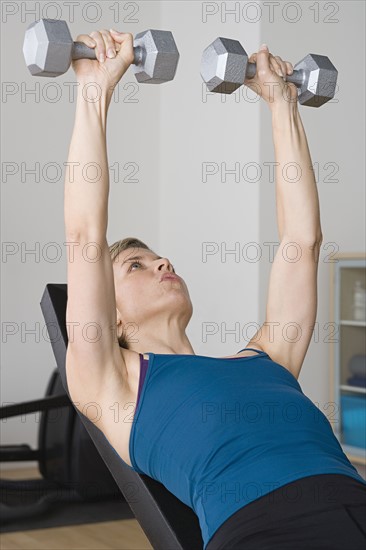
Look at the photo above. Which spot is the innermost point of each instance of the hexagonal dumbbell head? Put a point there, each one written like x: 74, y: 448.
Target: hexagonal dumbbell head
x: 156, y: 56
x: 320, y: 80
x: 224, y: 65
x: 47, y: 47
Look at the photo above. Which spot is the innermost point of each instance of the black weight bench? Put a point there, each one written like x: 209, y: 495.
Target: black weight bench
x: 167, y: 522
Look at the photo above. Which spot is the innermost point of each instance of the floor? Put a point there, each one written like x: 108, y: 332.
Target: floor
x: 113, y: 535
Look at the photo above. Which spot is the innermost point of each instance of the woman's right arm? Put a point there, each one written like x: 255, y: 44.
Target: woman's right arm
x: 93, y: 348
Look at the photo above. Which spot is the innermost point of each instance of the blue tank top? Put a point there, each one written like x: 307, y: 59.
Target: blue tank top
x: 221, y: 433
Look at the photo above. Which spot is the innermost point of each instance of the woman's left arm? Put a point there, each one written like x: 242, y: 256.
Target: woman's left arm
x: 298, y: 214
x: 292, y: 293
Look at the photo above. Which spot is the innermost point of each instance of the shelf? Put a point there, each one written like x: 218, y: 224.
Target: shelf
x: 358, y: 455
x: 355, y: 454
x: 346, y: 352
x: 353, y: 323
x: 355, y: 389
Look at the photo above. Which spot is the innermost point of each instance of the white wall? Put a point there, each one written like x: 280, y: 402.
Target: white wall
x: 170, y: 132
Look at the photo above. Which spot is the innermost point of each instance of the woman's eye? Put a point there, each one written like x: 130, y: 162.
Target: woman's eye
x: 134, y: 263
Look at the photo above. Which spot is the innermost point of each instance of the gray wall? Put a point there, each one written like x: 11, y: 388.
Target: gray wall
x: 172, y: 132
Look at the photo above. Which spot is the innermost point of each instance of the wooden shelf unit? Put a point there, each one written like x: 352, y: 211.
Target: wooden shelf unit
x: 349, y: 340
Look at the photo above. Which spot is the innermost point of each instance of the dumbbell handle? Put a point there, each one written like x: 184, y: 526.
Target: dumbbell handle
x: 297, y: 77
x: 82, y: 51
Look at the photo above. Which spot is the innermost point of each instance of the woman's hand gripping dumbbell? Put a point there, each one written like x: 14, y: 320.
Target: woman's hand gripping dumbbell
x: 225, y: 66
x: 49, y: 51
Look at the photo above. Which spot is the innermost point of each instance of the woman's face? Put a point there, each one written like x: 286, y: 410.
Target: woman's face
x: 141, y: 294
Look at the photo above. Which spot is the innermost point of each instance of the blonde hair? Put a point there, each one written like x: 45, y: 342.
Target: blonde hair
x: 114, y: 250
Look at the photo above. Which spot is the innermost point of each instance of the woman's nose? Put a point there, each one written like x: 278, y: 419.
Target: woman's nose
x: 164, y: 262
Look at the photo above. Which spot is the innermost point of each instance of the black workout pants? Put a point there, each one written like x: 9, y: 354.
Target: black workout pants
x: 321, y: 512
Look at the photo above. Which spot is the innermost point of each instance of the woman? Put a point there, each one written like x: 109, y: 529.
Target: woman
x: 234, y: 438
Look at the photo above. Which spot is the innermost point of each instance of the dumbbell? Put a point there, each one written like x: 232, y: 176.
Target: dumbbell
x: 225, y: 66
x: 49, y: 49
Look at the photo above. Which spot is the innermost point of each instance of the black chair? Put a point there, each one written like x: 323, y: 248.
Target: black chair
x: 167, y: 522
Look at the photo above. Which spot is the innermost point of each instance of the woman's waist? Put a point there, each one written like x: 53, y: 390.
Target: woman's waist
x: 305, y: 496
